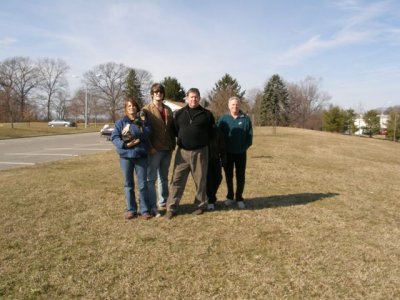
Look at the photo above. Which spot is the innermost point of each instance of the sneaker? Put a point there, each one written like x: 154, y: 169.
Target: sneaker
x: 229, y: 202
x: 146, y: 216
x: 241, y: 205
x: 210, y: 206
x: 198, y: 211
x: 170, y: 214
x: 155, y: 213
x: 130, y: 215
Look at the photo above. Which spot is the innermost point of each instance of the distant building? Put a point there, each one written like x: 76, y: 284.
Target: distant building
x: 360, y: 123
x: 174, y: 105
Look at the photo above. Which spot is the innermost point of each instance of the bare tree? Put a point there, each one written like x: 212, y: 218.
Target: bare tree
x: 146, y: 80
x: 60, y: 104
x: 76, y: 106
x: 256, y: 97
x: 53, y: 80
x: 96, y: 107
x: 2, y: 105
x: 306, y: 101
x: 108, y: 82
x: 8, y: 71
x: 27, y: 78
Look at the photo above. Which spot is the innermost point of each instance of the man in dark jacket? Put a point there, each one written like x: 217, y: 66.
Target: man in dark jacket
x: 193, y: 126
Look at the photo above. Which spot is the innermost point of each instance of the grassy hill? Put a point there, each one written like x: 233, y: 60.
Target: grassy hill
x: 323, y: 222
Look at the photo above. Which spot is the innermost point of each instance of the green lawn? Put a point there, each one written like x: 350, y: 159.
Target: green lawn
x: 323, y: 223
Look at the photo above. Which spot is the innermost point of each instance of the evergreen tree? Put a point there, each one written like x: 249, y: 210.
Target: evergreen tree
x: 225, y: 88
x: 334, y: 119
x: 173, y: 89
x: 349, y: 121
x: 275, y: 103
x: 372, y: 121
x: 132, y: 88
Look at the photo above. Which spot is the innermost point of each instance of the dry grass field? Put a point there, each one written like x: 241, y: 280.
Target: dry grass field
x: 323, y: 222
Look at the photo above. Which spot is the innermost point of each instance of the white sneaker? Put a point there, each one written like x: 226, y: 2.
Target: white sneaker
x: 210, y: 206
x: 229, y: 202
x: 162, y: 206
x: 155, y: 213
x: 241, y: 205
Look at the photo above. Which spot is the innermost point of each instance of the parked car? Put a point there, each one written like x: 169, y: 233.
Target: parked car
x: 63, y: 123
x: 106, y: 131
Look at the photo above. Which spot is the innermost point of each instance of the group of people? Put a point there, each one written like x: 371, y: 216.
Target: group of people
x: 146, y: 138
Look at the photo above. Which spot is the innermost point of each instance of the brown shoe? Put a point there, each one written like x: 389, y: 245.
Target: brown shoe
x: 169, y: 215
x: 146, y: 216
x: 130, y: 215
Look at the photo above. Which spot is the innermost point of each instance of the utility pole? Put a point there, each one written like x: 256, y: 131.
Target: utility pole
x: 395, y: 125
x: 86, y: 106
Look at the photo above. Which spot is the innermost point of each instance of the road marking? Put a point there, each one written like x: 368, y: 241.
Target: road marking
x: 77, y: 149
x: 15, y: 163
x: 42, y: 154
x: 97, y: 144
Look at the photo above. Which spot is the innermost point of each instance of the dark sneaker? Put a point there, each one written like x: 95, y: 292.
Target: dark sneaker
x: 241, y: 204
x: 210, y: 206
x: 229, y: 202
x: 169, y: 215
x: 130, y: 215
x: 198, y: 211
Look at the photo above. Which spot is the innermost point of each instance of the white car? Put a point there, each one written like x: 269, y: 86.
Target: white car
x: 106, y: 131
x: 63, y: 123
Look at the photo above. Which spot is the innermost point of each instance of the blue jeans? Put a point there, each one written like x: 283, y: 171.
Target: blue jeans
x: 139, y: 165
x: 158, y: 169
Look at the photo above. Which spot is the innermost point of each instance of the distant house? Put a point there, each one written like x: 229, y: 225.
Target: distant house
x: 359, y: 122
x: 174, y: 105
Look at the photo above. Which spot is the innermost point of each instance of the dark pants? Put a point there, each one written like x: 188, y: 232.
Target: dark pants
x: 237, y: 162
x: 214, y: 178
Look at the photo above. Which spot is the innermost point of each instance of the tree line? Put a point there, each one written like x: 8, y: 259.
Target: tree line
x: 39, y: 90
x: 32, y: 90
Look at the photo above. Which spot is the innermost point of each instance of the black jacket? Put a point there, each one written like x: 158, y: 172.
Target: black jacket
x: 193, y: 127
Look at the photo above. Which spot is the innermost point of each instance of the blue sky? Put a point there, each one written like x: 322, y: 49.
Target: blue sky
x: 352, y: 45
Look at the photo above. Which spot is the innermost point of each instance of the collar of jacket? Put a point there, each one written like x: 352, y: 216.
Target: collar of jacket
x: 241, y: 114
x: 126, y: 119
x: 198, y: 108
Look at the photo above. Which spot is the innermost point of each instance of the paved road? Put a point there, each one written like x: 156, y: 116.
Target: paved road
x: 31, y: 151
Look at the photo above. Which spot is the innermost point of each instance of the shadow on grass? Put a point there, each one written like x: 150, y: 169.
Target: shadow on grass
x: 262, y: 156
x: 286, y: 200
x: 267, y: 202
